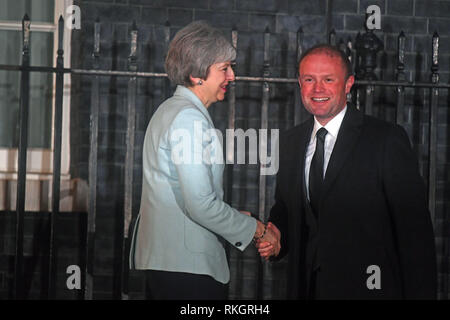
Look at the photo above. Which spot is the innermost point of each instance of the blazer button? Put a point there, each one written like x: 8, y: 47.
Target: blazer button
x: 238, y: 244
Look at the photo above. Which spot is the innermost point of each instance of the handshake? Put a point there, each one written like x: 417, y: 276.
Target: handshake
x: 267, y: 238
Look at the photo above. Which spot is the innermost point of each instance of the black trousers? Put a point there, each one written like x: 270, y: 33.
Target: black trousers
x: 165, y: 285
x: 312, y: 294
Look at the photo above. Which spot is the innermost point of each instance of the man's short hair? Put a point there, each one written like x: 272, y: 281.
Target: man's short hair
x: 331, y: 51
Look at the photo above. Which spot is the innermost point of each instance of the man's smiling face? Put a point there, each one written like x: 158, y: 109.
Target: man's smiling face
x: 323, y: 85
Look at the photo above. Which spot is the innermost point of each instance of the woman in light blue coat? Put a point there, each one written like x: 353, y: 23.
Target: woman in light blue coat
x: 182, y: 213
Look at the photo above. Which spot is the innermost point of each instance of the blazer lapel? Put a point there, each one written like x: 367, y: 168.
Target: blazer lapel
x: 304, y: 141
x: 345, y: 143
x: 299, y: 144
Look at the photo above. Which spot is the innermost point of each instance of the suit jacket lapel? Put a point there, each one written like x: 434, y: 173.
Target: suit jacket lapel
x: 307, y: 137
x: 346, y: 141
x: 298, y: 144
x: 304, y: 141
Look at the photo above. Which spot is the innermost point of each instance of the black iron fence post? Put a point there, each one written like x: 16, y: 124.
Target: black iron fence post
x: 129, y: 160
x: 433, y: 127
x: 93, y: 161
x: 22, y: 157
x: 56, y: 161
x: 401, y: 78
x: 167, y: 87
x: 298, y: 105
x: 263, y: 146
x: 229, y: 146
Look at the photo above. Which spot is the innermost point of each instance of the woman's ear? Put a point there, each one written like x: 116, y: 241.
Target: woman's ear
x: 196, y: 81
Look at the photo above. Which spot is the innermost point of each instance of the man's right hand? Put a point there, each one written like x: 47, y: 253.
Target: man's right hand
x: 270, y: 244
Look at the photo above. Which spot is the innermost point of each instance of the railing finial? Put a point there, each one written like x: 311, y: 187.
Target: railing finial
x: 96, y: 52
x: 435, y: 58
x: 132, y: 58
x: 299, y: 43
x: 26, y: 34
x: 401, y: 57
x: 332, y: 37
x: 266, y: 68
x: 367, y: 47
x: 167, y: 34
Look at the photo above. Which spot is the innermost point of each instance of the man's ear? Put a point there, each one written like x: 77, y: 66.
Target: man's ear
x: 299, y: 83
x: 349, y: 83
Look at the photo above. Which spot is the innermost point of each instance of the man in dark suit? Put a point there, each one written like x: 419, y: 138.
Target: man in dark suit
x: 350, y: 205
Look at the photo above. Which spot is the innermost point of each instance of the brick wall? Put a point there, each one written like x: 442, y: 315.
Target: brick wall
x: 417, y: 18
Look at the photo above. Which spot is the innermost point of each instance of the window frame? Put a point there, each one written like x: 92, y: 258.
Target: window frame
x: 40, y: 160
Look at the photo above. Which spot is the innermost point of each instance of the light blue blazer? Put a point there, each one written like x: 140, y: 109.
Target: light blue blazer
x: 182, y: 212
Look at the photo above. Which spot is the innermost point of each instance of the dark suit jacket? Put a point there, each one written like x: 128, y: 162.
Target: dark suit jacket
x: 373, y: 211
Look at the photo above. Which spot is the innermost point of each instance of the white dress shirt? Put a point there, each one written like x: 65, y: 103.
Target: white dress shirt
x: 330, y: 139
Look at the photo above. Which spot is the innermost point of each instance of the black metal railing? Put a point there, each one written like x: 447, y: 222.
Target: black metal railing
x: 362, y: 54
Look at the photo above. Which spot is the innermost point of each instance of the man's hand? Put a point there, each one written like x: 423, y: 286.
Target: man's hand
x: 270, y: 244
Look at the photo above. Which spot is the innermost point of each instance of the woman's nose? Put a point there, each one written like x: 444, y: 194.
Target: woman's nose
x: 230, y: 74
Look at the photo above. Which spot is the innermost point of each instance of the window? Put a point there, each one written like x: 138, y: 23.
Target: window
x: 44, y: 15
